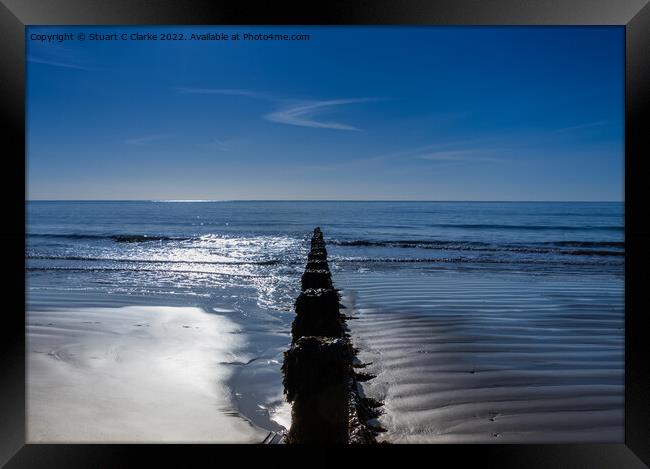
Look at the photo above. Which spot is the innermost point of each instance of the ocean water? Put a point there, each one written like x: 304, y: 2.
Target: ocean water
x: 466, y: 310
x: 193, y: 246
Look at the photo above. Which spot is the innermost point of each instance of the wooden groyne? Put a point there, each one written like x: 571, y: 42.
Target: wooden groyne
x: 319, y: 376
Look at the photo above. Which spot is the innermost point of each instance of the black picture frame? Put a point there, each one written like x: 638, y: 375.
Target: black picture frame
x: 634, y: 15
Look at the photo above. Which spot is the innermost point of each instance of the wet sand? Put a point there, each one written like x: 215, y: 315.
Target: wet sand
x: 491, y: 357
x: 111, y: 372
x: 461, y: 355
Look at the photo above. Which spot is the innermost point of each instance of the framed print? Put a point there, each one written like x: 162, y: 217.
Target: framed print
x: 385, y: 228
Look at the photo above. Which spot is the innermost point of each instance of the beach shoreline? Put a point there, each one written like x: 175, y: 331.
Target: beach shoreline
x: 459, y: 357
x: 115, y: 369
x: 461, y: 308
x: 477, y: 379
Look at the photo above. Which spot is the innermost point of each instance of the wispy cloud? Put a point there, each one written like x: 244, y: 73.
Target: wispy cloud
x: 303, y: 114
x: 444, y: 151
x: 471, y: 155
x: 291, y: 112
x: 55, y: 63
x: 145, y: 140
x: 223, y: 91
x: 216, y: 144
x: 63, y: 55
x: 587, y: 125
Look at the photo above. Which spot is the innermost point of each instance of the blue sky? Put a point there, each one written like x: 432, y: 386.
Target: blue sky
x: 372, y: 113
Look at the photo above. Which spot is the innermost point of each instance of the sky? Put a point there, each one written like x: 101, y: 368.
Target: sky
x: 353, y: 113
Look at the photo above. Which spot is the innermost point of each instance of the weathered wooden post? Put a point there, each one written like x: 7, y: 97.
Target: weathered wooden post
x: 316, y: 279
x: 317, y: 383
x: 317, y: 314
x: 319, y: 379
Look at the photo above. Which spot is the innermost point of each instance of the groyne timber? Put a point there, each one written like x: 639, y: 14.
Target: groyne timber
x: 320, y: 374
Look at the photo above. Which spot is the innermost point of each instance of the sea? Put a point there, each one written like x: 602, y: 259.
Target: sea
x: 482, y: 321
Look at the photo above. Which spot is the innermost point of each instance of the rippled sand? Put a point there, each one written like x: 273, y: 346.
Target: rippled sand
x: 491, y: 357
x: 132, y: 374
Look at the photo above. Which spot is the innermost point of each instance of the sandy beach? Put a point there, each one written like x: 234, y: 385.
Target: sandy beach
x: 461, y: 356
x: 135, y: 373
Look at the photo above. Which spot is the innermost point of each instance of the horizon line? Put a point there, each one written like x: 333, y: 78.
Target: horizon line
x: 325, y: 200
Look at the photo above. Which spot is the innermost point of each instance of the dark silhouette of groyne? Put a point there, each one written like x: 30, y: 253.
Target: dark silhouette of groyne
x: 320, y: 374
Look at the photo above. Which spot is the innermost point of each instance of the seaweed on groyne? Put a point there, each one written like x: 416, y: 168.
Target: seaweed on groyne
x: 320, y: 374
